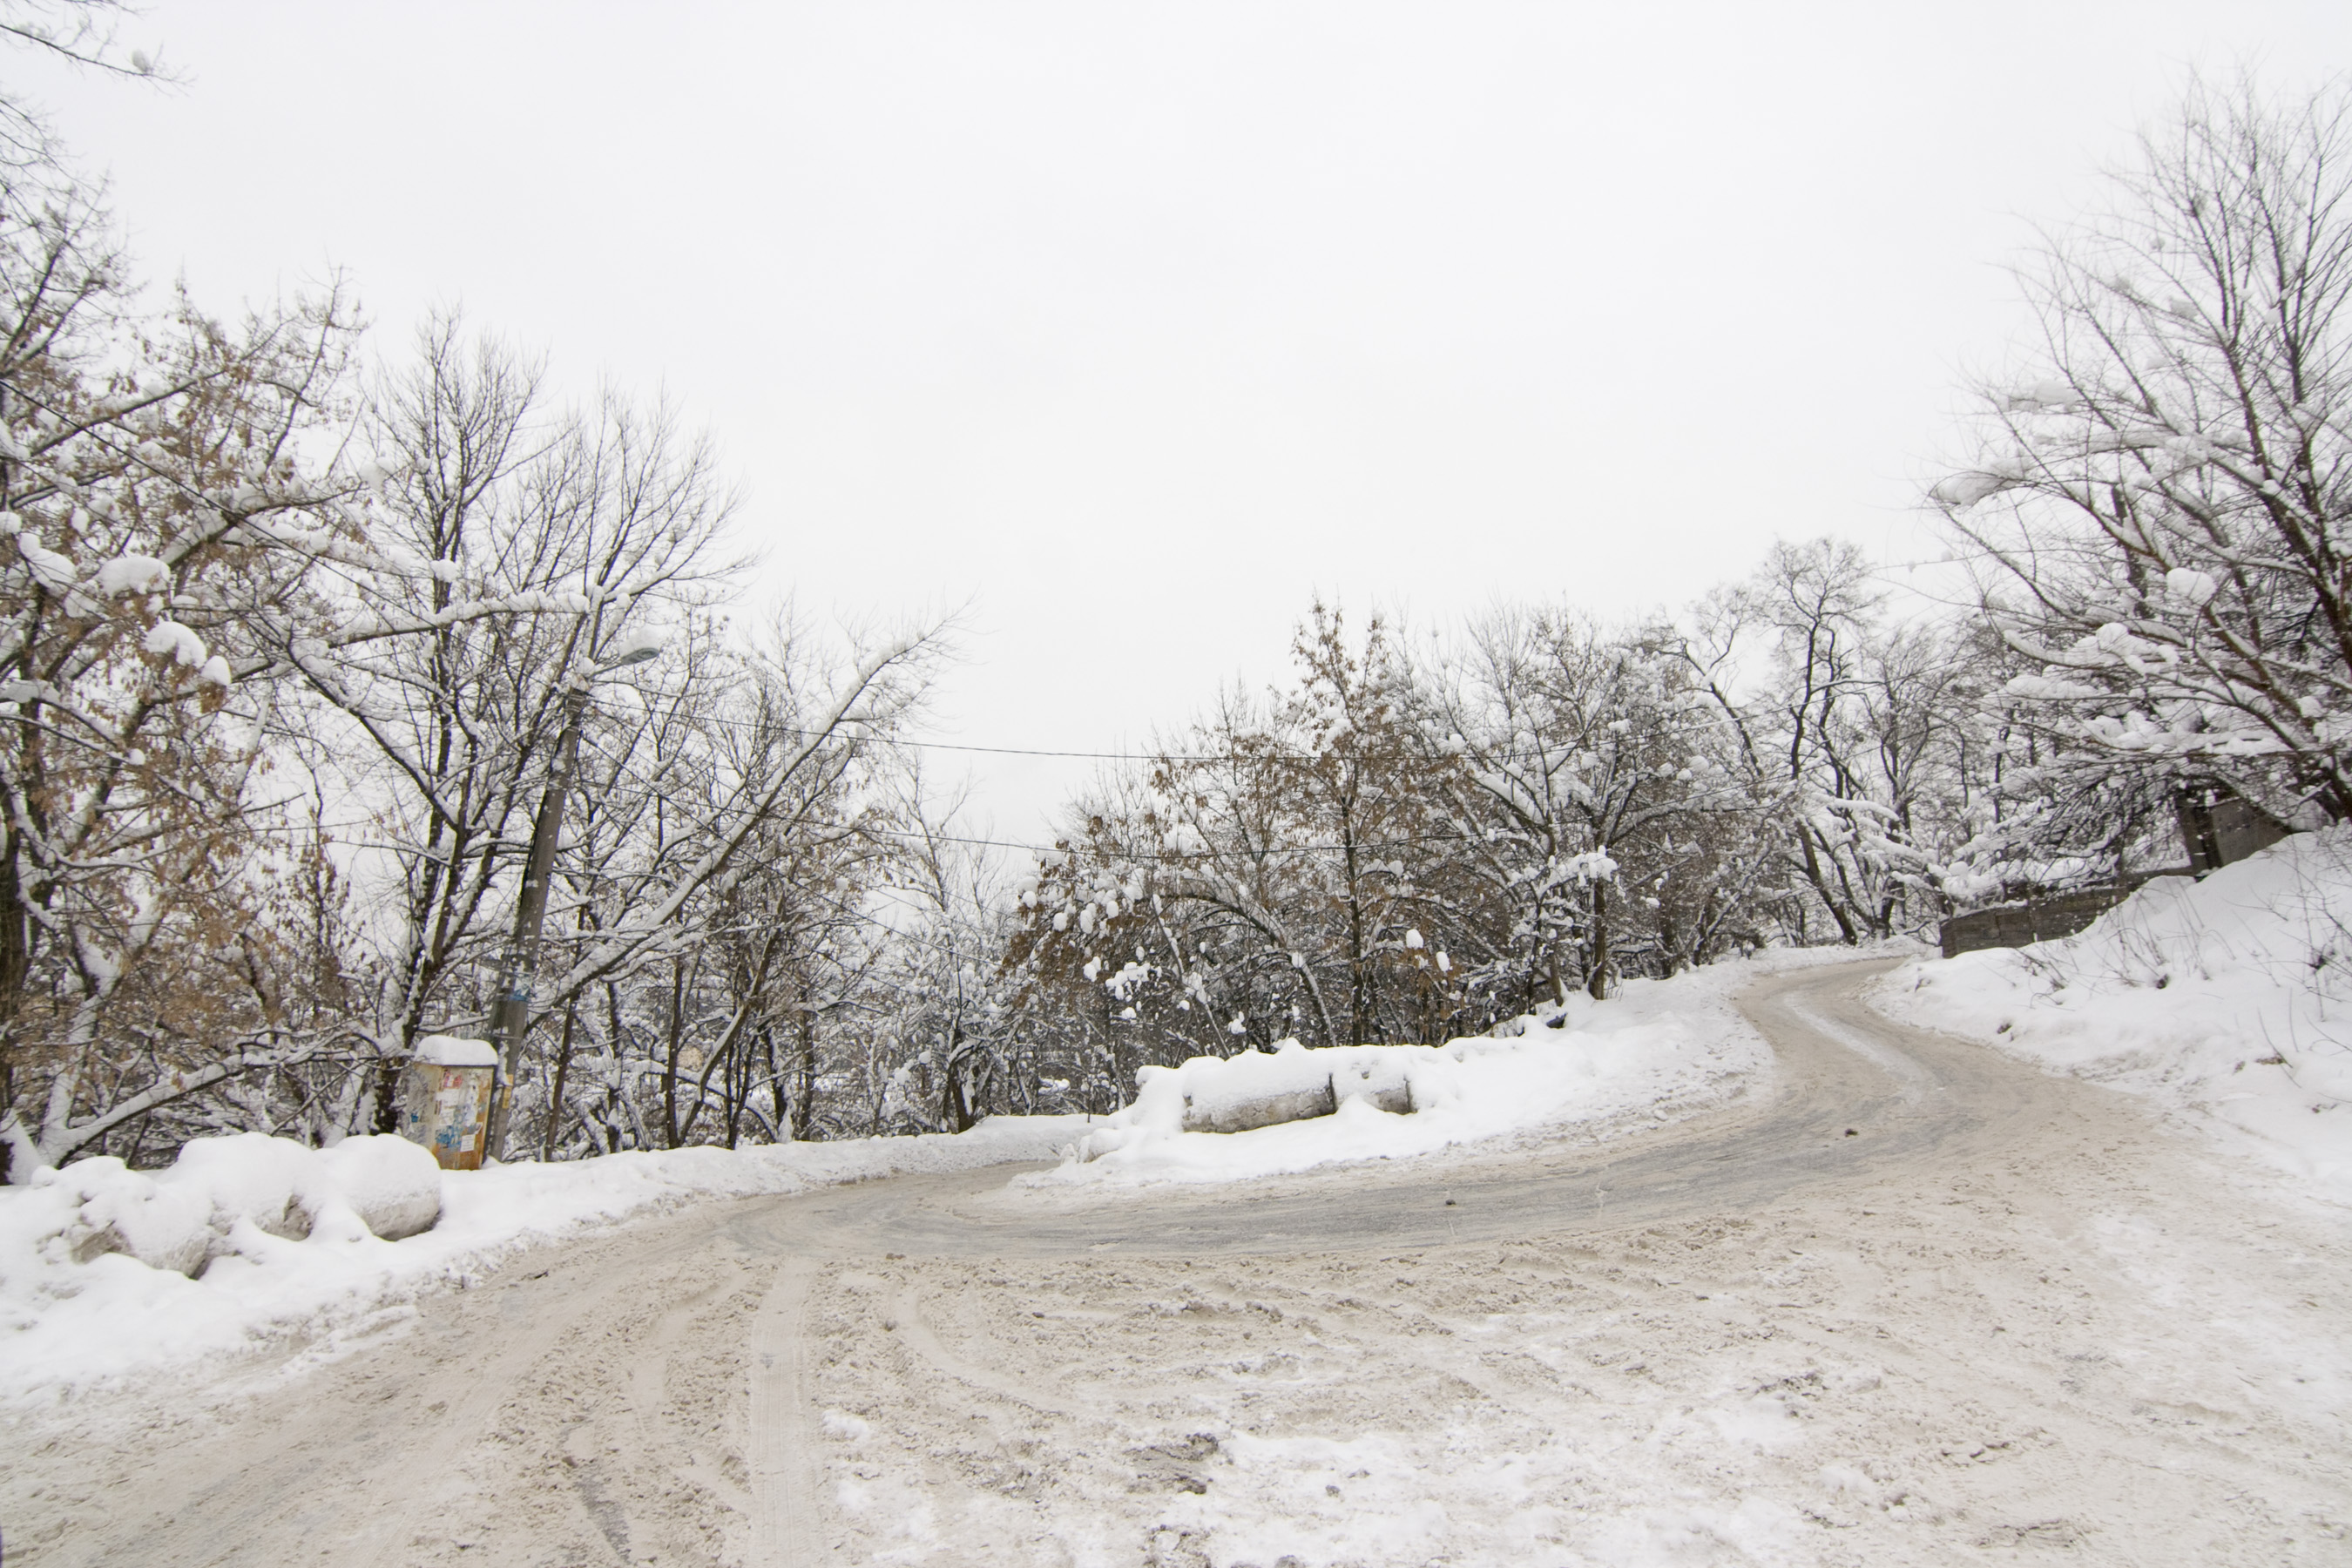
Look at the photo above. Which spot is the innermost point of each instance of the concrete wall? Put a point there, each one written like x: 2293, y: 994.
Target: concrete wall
x: 2222, y: 830
x: 2041, y: 919
x: 2217, y: 828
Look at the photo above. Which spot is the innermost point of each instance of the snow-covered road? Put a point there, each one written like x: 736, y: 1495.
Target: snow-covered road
x: 2006, y: 1311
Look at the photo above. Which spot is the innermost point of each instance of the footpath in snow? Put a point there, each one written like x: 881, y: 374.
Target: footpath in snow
x: 2227, y: 1002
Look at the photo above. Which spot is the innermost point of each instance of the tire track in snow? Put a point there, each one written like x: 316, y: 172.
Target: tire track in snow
x: 915, y: 1332
x: 783, y: 1484
x: 358, y: 1469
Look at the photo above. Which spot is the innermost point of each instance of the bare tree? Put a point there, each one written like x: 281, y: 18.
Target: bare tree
x: 514, y: 552
x: 2157, y: 503
x: 731, y: 829
x: 1590, y: 803
x: 167, y: 531
x: 85, y: 34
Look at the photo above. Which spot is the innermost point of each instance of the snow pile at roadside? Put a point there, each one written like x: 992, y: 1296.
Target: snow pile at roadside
x: 2226, y: 999
x: 250, y: 1240
x: 1657, y: 1051
x: 223, y: 1195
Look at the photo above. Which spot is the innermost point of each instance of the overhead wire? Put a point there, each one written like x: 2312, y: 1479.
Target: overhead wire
x: 1067, y: 846
x: 130, y: 454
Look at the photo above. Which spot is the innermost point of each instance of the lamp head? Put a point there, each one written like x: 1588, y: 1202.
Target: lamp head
x: 634, y: 648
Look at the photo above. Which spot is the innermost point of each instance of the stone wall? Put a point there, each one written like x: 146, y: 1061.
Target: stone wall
x: 2039, y: 919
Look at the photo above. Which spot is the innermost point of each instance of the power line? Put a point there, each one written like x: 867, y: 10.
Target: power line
x: 912, y: 835
x: 1158, y: 855
x: 1562, y: 754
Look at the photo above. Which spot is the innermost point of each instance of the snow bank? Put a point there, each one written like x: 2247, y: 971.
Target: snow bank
x: 221, y: 1191
x: 1659, y: 1049
x: 250, y: 1241
x: 2226, y: 1001
x: 1261, y: 1088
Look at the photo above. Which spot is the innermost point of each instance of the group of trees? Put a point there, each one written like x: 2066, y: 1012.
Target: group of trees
x: 296, y: 646
x: 295, y: 642
x: 1414, y: 843
x: 2157, y: 505
x: 1402, y: 845
x: 299, y: 645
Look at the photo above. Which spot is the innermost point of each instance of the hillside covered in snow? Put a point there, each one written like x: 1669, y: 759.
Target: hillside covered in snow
x: 2226, y: 1001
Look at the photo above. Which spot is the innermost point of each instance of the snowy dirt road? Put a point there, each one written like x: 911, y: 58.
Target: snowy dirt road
x: 2007, y: 1313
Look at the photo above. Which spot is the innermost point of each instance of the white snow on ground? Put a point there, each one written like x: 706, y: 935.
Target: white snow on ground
x: 2084, y: 1337
x: 249, y: 1241
x: 2226, y: 1001
x: 1658, y: 1050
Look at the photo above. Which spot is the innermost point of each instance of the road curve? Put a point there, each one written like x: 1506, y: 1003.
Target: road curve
x: 1902, y: 1092
x: 650, y: 1395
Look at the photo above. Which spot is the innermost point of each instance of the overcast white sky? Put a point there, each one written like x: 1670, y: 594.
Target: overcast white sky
x: 1132, y: 328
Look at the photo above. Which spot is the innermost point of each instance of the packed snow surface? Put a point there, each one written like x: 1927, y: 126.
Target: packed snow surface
x: 247, y: 1240
x: 2225, y: 1000
x: 1656, y: 1050
x: 2058, y: 1328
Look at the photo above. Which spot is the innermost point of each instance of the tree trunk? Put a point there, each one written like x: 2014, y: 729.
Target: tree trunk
x: 670, y: 1055
x: 803, y: 1116
x: 555, y: 1092
x: 1596, y: 980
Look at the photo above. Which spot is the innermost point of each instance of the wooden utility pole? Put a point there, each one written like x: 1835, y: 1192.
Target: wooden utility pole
x: 519, y: 972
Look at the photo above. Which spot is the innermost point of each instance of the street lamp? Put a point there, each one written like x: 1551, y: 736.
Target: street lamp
x: 519, y: 972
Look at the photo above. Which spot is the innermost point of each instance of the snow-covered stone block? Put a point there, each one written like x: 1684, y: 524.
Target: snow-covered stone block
x: 1267, y: 1088
x: 221, y: 1193
x: 1245, y: 1114
x: 273, y: 1182
x: 1253, y: 1089
x: 1382, y: 1081
x: 393, y: 1185
x: 105, y: 1206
